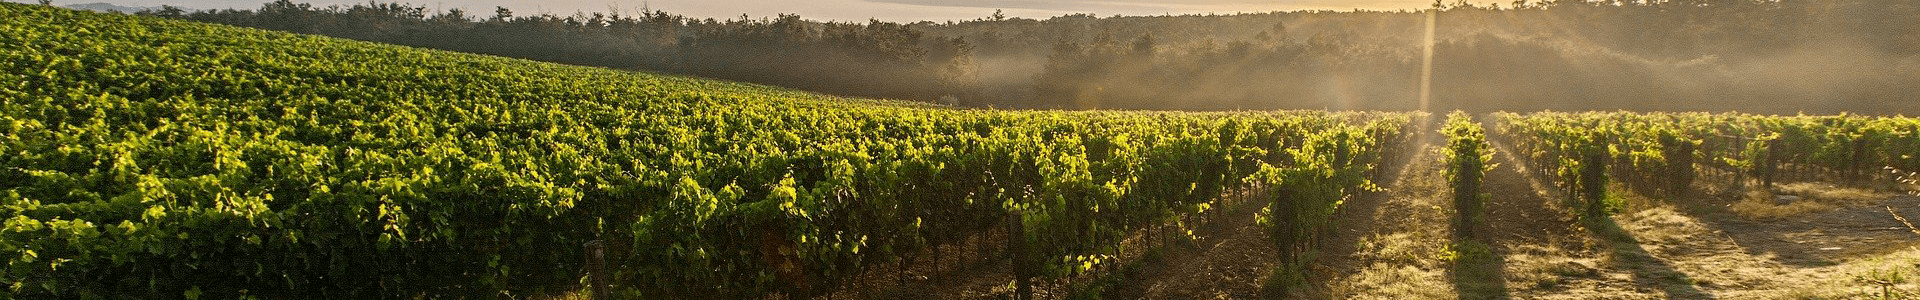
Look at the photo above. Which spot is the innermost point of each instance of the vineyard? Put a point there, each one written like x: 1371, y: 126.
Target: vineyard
x: 1662, y: 153
x: 165, y: 158
x: 154, y: 158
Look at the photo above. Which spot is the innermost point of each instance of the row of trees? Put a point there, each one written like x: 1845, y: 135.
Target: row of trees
x: 875, y: 59
x: 1796, y: 55
x: 1789, y: 56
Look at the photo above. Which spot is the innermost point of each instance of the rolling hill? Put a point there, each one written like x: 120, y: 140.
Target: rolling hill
x: 156, y: 158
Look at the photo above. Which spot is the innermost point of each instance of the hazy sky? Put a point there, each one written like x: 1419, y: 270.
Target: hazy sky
x: 845, y: 10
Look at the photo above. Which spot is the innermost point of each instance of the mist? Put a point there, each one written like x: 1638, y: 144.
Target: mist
x: 1565, y: 57
x: 1772, y: 57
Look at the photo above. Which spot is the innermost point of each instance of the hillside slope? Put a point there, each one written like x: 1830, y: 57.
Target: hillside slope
x: 151, y: 158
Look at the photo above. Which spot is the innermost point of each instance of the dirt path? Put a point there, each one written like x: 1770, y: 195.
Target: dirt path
x: 1538, y: 249
x: 1393, y: 243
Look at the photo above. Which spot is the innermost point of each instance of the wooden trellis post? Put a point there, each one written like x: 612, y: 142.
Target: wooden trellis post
x: 597, y: 269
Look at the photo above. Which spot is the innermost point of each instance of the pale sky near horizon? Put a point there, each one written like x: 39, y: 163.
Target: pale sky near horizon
x: 840, y: 10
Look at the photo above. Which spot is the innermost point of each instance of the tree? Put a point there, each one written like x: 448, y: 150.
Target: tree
x: 455, y: 15
x: 169, y: 11
x: 501, y: 14
x: 1144, y: 45
x: 46, y: 2
x: 960, y: 75
x: 1279, y: 30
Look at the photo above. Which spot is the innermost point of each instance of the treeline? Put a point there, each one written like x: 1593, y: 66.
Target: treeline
x: 1754, y: 56
x: 876, y: 59
x: 1810, y: 56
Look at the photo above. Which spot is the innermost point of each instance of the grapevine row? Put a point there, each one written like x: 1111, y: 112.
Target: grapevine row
x: 1664, y: 152
x: 1469, y: 156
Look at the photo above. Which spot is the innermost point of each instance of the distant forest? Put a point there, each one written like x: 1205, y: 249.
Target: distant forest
x: 1760, y: 56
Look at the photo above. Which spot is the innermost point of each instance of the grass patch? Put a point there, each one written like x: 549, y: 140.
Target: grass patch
x: 1832, y: 194
x: 1550, y: 275
x: 1404, y: 248
x: 1477, y: 271
x: 1389, y: 281
x: 1405, y: 265
x: 1401, y: 265
x: 1796, y: 199
x: 1894, y: 276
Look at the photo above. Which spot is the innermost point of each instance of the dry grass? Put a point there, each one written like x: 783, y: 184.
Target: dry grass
x: 1389, y: 281
x: 1854, y: 280
x: 1843, y: 196
x: 1814, y: 197
x: 1548, y: 269
x: 1759, y: 205
x: 1404, y: 248
x: 1716, y: 263
x: 1406, y: 254
x: 1622, y: 199
x: 1664, y: 225
x: 1404, y: 265
x: 1654, y: 249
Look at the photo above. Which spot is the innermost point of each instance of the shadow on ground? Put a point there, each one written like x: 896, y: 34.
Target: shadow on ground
x: 1817, y: 239
x: 1479, y: 272
x: 1648, y: 271
x: 1525, y: 211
